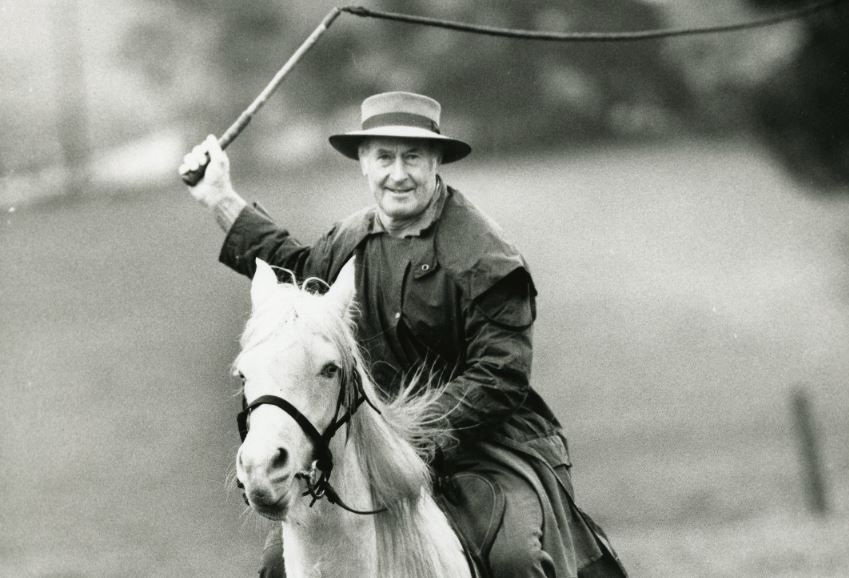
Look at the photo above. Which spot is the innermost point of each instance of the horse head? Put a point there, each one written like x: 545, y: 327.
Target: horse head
x: 296, y: 366
x: 303, y: 381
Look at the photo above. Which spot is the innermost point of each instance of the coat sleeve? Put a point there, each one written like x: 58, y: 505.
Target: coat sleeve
x: 255, y: 235
x: 495, y: 380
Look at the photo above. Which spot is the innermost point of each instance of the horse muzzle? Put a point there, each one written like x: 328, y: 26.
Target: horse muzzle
x: 265, y: 475
x: 274, y: 506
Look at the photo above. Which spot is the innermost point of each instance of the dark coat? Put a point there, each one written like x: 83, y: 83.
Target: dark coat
x: 458, y: 298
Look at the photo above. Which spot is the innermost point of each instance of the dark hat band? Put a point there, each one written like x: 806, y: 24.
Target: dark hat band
x: 400, y: 119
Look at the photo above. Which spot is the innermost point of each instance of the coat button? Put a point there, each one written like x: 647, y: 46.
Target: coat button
x: 398, y: 315
x: 425, y: 267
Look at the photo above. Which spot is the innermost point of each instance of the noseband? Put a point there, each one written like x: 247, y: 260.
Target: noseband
x: 318, y: 478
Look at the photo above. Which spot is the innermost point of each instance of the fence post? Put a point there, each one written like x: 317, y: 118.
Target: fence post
x: 809, y: 452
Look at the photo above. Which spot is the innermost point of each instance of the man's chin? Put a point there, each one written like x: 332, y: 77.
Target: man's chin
x: 398, y: 206
x: 399, y: 209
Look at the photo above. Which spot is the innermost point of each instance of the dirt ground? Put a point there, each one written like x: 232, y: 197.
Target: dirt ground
x: 685, y: 290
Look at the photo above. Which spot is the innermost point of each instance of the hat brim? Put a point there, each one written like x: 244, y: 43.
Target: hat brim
x: 348, y: 144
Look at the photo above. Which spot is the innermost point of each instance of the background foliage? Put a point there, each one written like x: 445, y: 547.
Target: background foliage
x: 194, y: 65
x: 802, y: 109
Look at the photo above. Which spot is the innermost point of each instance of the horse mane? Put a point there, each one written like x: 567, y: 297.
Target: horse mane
x: 393, y: 447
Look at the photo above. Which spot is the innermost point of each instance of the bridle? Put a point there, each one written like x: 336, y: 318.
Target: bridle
x: 317, y: 479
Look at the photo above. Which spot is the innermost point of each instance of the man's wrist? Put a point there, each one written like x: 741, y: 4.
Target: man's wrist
x: 227, y: 210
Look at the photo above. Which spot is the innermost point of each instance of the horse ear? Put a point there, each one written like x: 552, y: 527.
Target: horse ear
x: 263, y: 284
x: 342, y: 291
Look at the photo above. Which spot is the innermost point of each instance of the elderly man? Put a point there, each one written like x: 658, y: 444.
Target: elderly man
x: 438, y: 287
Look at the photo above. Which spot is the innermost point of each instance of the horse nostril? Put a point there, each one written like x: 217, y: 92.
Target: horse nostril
x: 280, y: 459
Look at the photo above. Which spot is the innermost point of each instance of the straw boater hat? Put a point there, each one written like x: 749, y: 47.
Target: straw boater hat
x: 400, y: 115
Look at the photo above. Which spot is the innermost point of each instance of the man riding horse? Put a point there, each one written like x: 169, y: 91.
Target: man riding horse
x: 439, y: 289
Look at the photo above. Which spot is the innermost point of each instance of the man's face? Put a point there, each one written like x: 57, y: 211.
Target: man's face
x: 401, y: 175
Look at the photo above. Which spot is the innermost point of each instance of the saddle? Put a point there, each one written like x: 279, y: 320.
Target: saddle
x: 474, y: 507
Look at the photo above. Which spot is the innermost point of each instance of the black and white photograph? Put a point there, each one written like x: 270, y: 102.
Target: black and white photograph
x: 424, y: 289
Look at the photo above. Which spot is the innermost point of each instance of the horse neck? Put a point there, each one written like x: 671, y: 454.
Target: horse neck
x: 327, y: 541
x: 375, y: 468
x: 413, y: 538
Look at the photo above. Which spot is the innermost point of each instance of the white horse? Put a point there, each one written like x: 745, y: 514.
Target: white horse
x: 312, y: 409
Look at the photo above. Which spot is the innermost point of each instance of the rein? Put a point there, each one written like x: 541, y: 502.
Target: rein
x: 317, y: 479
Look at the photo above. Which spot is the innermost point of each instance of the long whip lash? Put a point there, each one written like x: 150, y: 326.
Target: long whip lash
x: 794, y: 14
x: 193, y: 177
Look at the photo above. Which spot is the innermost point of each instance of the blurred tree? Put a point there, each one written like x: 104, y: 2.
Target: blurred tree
x: 200, y: 62
x: 73, y: 114
x: 504, y: 93
x: 801, y: 108
x: 515, y: 93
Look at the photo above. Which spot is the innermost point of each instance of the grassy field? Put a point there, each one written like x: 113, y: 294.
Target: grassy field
x: 685, y: 289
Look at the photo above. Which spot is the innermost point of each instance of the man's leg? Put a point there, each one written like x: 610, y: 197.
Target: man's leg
x: 517, y: 550
x: 271, y: 564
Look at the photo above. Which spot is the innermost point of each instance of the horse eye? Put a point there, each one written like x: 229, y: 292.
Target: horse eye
x: 329, y: 370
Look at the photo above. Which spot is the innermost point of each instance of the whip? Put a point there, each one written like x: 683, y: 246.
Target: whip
x: 191, y: 178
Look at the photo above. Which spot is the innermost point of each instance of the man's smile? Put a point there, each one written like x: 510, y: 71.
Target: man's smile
x: 399, y: 191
